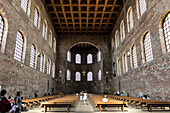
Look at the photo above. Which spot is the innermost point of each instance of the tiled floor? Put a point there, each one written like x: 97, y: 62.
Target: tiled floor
x: 80, y: 108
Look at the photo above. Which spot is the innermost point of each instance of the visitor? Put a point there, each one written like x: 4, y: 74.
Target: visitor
x: 140, y: 94
x: 18, y: 101
x: 85, y: 97
x: 5, y: 105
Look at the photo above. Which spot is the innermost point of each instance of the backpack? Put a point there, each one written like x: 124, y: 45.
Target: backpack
x: 5, y: 105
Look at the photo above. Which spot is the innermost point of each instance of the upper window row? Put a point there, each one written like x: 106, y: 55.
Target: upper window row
x: 78, y: 58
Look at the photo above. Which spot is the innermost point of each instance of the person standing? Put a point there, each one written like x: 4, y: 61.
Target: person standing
x: 85, y: 97
x: 5, y: 105
x: 18, y: 101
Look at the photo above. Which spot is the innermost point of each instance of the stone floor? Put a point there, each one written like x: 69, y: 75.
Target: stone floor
x: 80, y: 108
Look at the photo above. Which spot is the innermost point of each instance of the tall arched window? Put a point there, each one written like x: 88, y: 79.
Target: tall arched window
x: 78, y: 59
x: 1, y: 29
x: 89, y: 76
x: 69, y: 56
x: 99, y: 56
x: 68, y: 75
x: 89, y: 59
x: 44, y: 29
x: 117, y: 38
x: 142, y: 6
x: 19, y: 47
x: 33, y: 56
x: 166, y: 30
x: 125, y: 64
x: 133, y: 56
x: 130, y: 19
x: 36, y: 17
x: 42, y: 59
x: 24, y: 5
x: 54, y: 45
x: 50, y: 38
x: 147, y: 47
x: 48, y: 66
x: 122, y: 30
x: 112, y: 44
x: 100, y: 75
x: 53, y: 70
x: 118, y: 67
x: 78, y: 76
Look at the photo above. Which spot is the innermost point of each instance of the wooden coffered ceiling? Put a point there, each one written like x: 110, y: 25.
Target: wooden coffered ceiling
x: 78, y: 16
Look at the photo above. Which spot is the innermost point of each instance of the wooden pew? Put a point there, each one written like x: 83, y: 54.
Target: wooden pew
x: 67, y: 101
x: 96, y: 100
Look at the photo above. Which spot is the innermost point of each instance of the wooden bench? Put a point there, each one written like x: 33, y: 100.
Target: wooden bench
x: 67, y: 101
x: 96, y: 100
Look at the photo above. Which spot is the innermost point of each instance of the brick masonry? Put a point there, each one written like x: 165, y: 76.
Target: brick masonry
x: 151, y: 77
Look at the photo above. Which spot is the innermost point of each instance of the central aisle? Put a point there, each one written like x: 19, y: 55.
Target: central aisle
x: 80, y: 108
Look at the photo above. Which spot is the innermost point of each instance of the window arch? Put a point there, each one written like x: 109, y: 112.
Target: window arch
x: 48, y: 66
x: 24, y: 5
x: 68, y: 75
x: 33, y: 56
x: 89, y: 59
x: 141, y: 6
x: 146, y: 47
x: 99, y: 56
x: 125, y: 63
x: 100, y: 75
x: 78, y: 59
x: 164, y: 26
x: 44, y: 33
x: 119, y: 67
x: 122, y: 30
x: 54, y: 45
x: 112, y: 44
x: 133, y: 57
x: 3, y: 31
x: 89, y: 76
x: 130, y: 19
x: 53, y: 70
x: 20, y: 47
x: 78, y: 76
x: 36, y: 17
x: 50, y: 38
x: 69, y: 56
x: 42, y: 62
x: 117, y: 38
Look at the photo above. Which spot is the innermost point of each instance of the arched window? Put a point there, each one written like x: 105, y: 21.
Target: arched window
x: 68, y: 75
x: 117, y: 38
x: 1, y: 29
x: 33, y: 56
x: 19, y: 47
x: 54, y: 45
x: 166, y: 30
x: 142, y: 6
x: 99, y: 56
x: 78, y: 59
x: 130, y: 19
x: 50, y: 38
x: 78, y: 76
x: 36, y: 17
x: 122, y: 30
x: 89, y: 76
x: 44, y: 29
x: 112, y: 44
x: 24, y: 5
x: 118, y: 67
x: 42, y: 59
x: 69, y: 56
x: 134, y: 63
x: 89, y: 59
x: 53, y: 70
x: 147, y: 47
x: 48, y: 66
x: 125, y: 64
x: 100, y: 75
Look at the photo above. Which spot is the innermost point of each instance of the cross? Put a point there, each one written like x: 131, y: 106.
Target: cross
x: 84, y: 73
